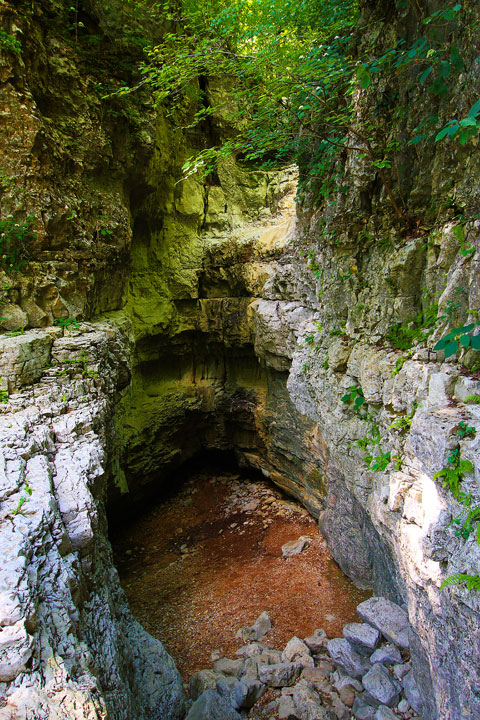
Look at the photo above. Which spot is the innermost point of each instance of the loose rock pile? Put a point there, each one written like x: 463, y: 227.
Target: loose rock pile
x: 366, y: 675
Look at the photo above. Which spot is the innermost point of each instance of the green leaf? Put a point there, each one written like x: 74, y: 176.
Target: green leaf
x: 363, y: 77
x: 465, y: 340
x: 425, y: 74
x: 468, y: 122
x: 451, y: 348
x: 475, y: 109
x: 464, y: 466
x: 441, y: 344
x: 476, y: 342
x: 415, y: 140
x: 444, y: 69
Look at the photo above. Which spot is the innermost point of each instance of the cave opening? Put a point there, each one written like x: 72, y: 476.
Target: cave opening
x: 203, y: 558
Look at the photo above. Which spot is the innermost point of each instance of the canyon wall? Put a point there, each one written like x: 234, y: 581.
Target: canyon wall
x: 217, y: 315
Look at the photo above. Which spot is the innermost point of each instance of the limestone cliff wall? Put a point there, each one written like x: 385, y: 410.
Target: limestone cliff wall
x: 225, y: 318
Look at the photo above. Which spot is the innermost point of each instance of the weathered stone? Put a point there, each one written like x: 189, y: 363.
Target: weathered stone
x: 297, y: 651
x: 387, y: 617
x: 347, y: 658
x: 226, y: 666
x: 412, y: 693
x: 279, y: 675
x: 16, y: 648
x: 387, y: 654
x: 270, y: 656
x: 285, y: 708
x: 250, y: 667
x: 317, y: 641
x: 403, y: 706
x: 13, y: 317
x: 211, y: 706
x: 258, y: 630
x: 380, y: 686
x: 201, y: 681
x: 400, y: 670
x: 385, y: 713
x: 362, y: 710
x: 362, y: 637
x: 308, y: 703
x: 227, y: 687
x: 295, y: 547
x: 248, y: 692
x: 318, y: 673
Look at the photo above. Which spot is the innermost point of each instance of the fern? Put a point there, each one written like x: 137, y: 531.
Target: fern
x: 472, y: 581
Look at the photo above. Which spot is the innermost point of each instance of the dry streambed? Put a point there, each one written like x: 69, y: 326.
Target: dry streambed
x: 207, y: 561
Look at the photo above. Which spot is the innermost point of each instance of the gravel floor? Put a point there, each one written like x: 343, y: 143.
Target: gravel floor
x: 206, y: 562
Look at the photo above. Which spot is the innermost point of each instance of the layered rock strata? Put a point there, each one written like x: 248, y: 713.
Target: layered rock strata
x: 229, y: 329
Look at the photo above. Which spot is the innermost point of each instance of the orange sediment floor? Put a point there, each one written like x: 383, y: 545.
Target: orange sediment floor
x: 202, y: 564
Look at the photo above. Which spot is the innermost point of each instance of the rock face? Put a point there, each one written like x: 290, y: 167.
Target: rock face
x: 222, y: 323
x: 69, y: 646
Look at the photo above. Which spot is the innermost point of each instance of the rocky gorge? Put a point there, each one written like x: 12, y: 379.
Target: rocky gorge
x: 157, y: 319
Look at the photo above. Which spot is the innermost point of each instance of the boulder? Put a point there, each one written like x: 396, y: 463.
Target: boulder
x: 201, y: 681
x: 280, y: 674
x: 380, y: 685
x: 317, y: 641
x: 387, y: 617
x: 362, y: 637
x: 295, y: 547
x: 412, y: 693
x: 225, y: 666
x: 387, y: 655
x: 347, y: 658
x: 211, y: 706
x: 362, y: 710
x: 247, y: 692
x: 297, y: 651
x: 285, y: 708
x: 226, y: 687
x: 308, y: 703
x: 258, y: 630
x: 385, y: 713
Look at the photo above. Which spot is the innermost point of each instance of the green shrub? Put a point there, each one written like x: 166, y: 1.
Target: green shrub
x: 15, y: 243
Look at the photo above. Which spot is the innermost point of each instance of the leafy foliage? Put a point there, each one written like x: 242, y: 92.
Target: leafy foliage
x: 15, y: 242
x: 459, y: 337
x: 354, y: 397
x: 472, y: 582
x: 453, y: 474
x: 10, y: 42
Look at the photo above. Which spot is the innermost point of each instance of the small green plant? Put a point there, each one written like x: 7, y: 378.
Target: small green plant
x: 9, y: 42
x: 66, y: 322
x: 19, y: 509
x: 305, y: 367
x: 337, y: 332
x: 15, y: 243
x: 459, y: 232
x: 354, y: 397
x: 404, y: 422
x: 378, y: 463
x: 325, y: 364
x: 3, y: 394
x: 453, y: 474
x: 399, y: 363
x: 16, y: 332
x: 405, y: 335
x: 465, y: 430
x: 475, y: 399
x: 472, y: 582
x: 459, y: 337
x: 397, y: 462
